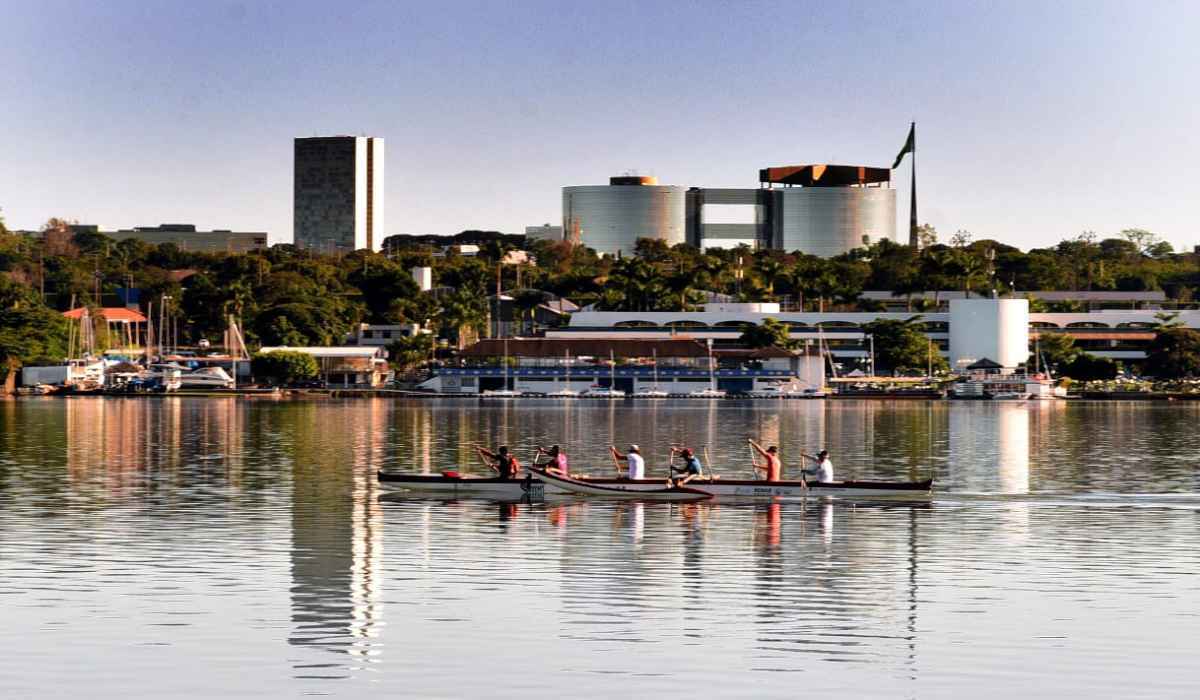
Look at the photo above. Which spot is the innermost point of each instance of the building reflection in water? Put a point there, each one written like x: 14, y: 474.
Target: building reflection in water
x: 126, y: 445
x: 989, y: 447
x: 337, y: 529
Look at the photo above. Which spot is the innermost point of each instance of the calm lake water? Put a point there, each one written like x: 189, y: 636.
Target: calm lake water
x: 243, y: 548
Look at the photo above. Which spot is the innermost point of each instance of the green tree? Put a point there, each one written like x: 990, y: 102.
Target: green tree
x: 1174, y: 353
x: 411, y: 352
x: 1057, y: 349
x: 284, y: 366
x: 1090, y: 368
x: 29, y: 331
x: 900, y: 346
x: 770, y: 333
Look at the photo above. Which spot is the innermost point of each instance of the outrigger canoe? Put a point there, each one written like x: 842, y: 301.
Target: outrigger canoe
x: 752, y: 488
x: 614, y: 488
x: 455, y: 484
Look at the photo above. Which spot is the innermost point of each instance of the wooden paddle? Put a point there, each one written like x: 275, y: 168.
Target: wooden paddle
x: 612, y: 452
x: 754, y: 459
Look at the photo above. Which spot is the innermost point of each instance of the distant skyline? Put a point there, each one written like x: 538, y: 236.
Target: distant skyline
x: 1035, y: 121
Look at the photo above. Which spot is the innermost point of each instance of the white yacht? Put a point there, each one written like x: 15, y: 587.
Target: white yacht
x: 602, y: 392
x: 650, y: 393
x: 707, y: 394
x: 206, y: 378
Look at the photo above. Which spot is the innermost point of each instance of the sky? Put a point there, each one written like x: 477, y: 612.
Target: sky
x: 1035, y: 121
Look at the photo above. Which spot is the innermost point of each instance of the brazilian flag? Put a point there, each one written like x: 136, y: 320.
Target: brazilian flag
x: 910, y: 146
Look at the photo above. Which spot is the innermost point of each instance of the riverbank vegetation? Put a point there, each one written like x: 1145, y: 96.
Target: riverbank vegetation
x: 288, y: 296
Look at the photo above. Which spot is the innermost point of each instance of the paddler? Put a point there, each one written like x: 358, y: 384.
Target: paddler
x: 772, y: 467
x: 557, y: 462
x: 691, y: 466
x: 822, y: 471
x: 633, y: 458
x: 503, y: 461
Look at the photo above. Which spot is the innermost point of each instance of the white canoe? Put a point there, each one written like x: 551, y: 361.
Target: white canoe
x: 452, y: 484
x: 751, y: 488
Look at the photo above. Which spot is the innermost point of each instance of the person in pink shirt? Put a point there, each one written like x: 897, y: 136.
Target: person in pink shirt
x: 557, y: 462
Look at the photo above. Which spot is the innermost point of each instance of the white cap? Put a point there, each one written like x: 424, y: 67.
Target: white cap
x: 634, y: 448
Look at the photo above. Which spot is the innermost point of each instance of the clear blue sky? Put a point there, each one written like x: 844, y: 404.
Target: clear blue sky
x: 1035, y: 120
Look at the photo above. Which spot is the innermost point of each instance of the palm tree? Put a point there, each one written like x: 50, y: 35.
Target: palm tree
x: 525, y: 301
x: 769, y: 269
x: 1166, y: 320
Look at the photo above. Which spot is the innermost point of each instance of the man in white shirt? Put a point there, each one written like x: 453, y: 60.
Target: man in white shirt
x: 637, y: 465
x: 822, y: 471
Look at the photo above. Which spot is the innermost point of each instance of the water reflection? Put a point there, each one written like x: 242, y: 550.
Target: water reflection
x: 262, y: 528
x: 337, y: 533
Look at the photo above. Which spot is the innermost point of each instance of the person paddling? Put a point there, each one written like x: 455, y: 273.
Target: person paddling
x: 773, y: 467
x: 822, y: 471
x: 503, y: 461
x: 691, y: 466
x: 557, y: 462
x: 637, y: 464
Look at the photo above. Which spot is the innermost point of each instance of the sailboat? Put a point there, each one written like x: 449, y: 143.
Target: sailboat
x: 712, y: 392
x: 651, y: 392
x: 504, y: 393
x: 609, y: 392
x: 566, y: 392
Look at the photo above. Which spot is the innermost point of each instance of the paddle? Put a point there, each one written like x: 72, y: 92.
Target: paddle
x: 612, y: 452
x: 754, y: 447
x: 483, y: 458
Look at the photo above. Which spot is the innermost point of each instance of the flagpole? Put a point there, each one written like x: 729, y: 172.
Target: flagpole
x: 912, y: 207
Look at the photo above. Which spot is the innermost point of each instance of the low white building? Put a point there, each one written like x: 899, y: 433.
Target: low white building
x: 346, y: 367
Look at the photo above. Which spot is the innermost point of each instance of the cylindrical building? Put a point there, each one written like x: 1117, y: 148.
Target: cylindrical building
x: 610, y: 218
x: 829, y: 221
x: 993, y: 329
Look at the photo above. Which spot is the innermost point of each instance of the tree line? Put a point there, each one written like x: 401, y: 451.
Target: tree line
x: 288, y: 296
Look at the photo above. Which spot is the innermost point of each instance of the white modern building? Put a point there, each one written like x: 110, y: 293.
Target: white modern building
x: 338, y: 192
x: 995, y: 329
x: 611, y: 218
x: 1001, y: 330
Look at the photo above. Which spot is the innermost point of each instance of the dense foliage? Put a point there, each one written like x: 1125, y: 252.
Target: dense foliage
x: 900, y: 346
x: 283, y: 366
x: 1174, y: 353
x: 287, y: 296
x: 29, y: 331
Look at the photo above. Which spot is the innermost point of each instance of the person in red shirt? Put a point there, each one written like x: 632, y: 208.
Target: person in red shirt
x: 772, y: 467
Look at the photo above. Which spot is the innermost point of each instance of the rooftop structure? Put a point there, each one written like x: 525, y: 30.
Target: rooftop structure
x: 824, y: 175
